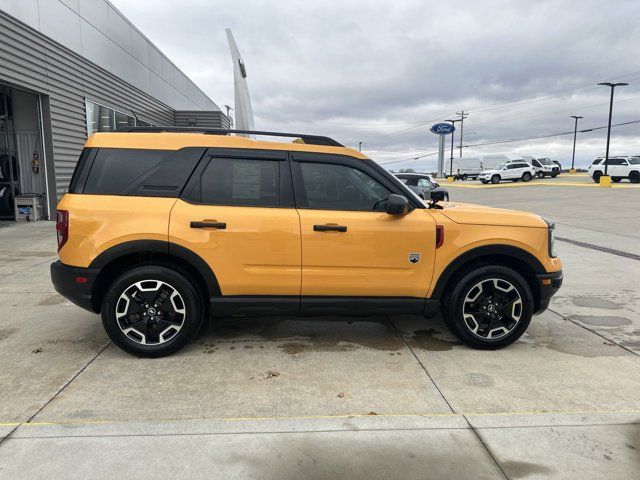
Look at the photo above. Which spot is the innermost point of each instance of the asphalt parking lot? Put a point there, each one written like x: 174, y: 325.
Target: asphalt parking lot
x: 374, y: 398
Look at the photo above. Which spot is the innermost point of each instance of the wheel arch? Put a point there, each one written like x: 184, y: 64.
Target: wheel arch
x: 113, y: 261
x: 516, y: 258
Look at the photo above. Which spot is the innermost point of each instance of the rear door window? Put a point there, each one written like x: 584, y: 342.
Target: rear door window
x: 237, y: 182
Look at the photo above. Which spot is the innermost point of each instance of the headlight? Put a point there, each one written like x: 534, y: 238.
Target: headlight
x: 552, y: 240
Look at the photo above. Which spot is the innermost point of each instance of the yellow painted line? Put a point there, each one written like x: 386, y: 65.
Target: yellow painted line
x: 536, y: 184
x: 322, y: 417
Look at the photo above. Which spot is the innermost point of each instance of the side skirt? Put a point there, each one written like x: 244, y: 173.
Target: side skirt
x: 314, y: 306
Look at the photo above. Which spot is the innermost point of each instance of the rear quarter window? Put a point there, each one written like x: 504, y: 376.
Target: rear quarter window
x: 140, y: 172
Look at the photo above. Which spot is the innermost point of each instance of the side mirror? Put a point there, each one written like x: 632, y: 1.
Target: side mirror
x: 437, y: 195
x: 436, y: 185
x: 397, y: 204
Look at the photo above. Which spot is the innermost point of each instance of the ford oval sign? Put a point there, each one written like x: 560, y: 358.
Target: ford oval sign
x: 442, y: 129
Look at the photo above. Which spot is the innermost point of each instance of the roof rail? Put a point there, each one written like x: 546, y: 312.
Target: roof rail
x: 308, y: 139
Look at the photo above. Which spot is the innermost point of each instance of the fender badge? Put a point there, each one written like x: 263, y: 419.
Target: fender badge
x: 414, y: 257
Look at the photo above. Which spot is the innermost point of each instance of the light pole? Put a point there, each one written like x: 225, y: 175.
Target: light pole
x: 575, y: 133
x: 461, y: 120
x: 612, y: 86
x: 453, y: 122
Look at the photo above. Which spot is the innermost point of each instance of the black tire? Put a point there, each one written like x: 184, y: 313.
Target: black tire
x: 526, y: 177
x: 540, y: 174
x: 616, y: 179
x: 509, y: 289
x: 596, y: 176
x: 484, y: 181
x: 495, y: 179
x: 634, y: 177
x: 175, y: 323
x: 554, y: 175
x: 446, y: 197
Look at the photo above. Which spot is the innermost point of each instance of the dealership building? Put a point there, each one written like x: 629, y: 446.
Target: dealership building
x: 69, y: 68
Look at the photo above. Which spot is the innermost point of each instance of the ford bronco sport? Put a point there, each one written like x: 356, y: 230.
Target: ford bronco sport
x: 164, y: 228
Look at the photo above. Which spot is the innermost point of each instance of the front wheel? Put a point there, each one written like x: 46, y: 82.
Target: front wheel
x: 489, y: 308
x: 495, y: 179
x: 151, y: 311
x: 596, y: 176
x: 634, y: 177
x: 526, y: 177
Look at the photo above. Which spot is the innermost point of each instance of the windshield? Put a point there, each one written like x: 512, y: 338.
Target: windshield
x: 634, y: 160
x: 545, y: 161
x: 500, y: 166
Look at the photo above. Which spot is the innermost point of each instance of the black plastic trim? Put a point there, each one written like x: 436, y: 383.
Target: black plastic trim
x: 548, y: 291
x: 479, y: 252
x: 145, y: 247
x: 264, y: 305
x: 64, y: 281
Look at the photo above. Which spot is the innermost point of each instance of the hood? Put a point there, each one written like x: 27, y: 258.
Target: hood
x: 470, y: 214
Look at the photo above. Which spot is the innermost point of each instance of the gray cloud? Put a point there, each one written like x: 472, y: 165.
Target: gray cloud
x: 364, y: 71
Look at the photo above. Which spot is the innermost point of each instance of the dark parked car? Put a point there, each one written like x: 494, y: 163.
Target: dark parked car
x: 422, y: 184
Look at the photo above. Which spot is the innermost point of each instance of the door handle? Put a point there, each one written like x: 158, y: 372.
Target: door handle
x: 217, y: 225
x: 329, y: 228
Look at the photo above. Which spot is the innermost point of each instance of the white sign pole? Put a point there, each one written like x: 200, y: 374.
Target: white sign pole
x: 441, y: 156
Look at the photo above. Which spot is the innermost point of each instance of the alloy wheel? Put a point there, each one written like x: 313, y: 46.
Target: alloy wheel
x: 492, y: 308
x: 150, y: 312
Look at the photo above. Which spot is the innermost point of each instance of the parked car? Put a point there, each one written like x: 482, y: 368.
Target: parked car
x: 618, y: 168
x: 161, y: 231
x: 421, y: 184
x: 514, y: 171
x: 543, y: 166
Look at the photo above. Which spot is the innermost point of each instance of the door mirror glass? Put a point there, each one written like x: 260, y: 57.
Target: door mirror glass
x: 397, y: 204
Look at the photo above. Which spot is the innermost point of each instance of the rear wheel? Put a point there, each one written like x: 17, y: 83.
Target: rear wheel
x: 495, y: 179
x: 490, y: 307
x: 634, y: 177
x: 151, y: 311
x: 526, y: 177
x: 596, y: 176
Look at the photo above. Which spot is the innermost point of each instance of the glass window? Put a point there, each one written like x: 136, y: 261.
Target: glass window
x: 634, y: 161
x: 616, y: 161
x: 156, y: 173
x: 105, y: 119
x: 238, y: 181
x: 597, y: 161
x: 424, y: 183
x: 338, y: 187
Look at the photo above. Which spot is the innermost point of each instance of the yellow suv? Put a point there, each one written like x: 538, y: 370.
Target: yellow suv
x: 163, y: 228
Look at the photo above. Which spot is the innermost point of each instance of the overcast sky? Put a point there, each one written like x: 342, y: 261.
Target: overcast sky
x: 382, y: 72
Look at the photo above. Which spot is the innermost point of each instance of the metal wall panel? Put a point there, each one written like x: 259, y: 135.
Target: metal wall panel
x: 32, y: 61
x: 68, y: 22
x: 201, y: 118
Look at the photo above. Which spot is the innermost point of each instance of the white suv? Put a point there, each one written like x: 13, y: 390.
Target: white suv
x: 617, y: 168
x: 514, y: 171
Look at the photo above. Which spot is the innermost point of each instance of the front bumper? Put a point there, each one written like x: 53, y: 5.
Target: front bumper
x: 549, y: 284
x: 74, y: 283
